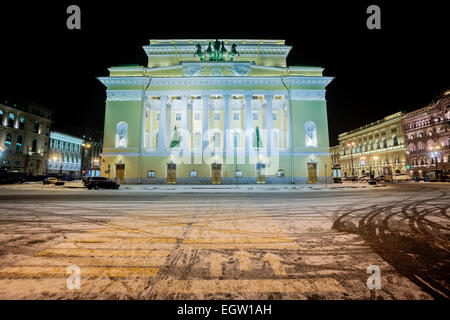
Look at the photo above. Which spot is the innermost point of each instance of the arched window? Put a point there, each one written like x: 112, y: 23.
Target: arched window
x: 1, y: 117
x: 395, y: 141
x: 378, y: 145
x: 19, y: 143
x: 36, y: 126
x: 8, y: 141
x: 397, y: 160
x: 236, y: 138
x: 11, y: 118
x: 21, y: 123
x: 122, y: 135
x: 34, y: 146
x: 310, y: 134
x: 384, y: 143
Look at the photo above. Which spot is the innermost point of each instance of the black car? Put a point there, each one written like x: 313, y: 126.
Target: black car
x: 100, y: 182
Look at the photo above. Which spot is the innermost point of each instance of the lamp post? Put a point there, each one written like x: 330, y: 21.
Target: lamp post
x: 351, y: 156
x: 86, y: 147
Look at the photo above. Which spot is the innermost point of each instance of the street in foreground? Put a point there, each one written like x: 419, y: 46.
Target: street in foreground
x: 313, y: 244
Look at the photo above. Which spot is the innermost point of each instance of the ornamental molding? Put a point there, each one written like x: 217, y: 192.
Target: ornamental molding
x: 216, y: 81
x: 124, y: 95
x: 321, y: 81
x: 308, y: 95
x: 65, y: 137
x: 124, y: 81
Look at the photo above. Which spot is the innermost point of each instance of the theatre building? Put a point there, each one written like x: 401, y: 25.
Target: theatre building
x: 216, y: 111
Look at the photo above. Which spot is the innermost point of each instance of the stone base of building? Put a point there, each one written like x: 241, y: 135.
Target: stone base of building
x: 225, y: 181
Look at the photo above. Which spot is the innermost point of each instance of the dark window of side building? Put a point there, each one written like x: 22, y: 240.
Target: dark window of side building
x: 11, y: 118
x: 36, y: 126
x: 8, y: 141
x: 21, y: 123
x: 1, y: 117
x: 395, y: 141
x: 34, y: 145
x: 19, y: 144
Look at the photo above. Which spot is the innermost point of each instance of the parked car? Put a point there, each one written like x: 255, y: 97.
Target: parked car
x: 100, y: 182
x: 401, y: 177
x: 53, y: 180
x: 11, y: 177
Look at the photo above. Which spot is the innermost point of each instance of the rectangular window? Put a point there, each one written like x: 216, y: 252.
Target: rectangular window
x: 197, y: 116
x: 235, y: 115
x: 274, y: 116
x: 178, y: 116
x: 151, y: 174
x: 255, y: 116
x: 216, y: 115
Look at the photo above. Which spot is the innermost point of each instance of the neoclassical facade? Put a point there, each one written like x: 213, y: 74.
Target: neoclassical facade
x: 24, y: 137
x: 375, y: 147
x: 427, y: 132
x: 64, y: 154
x: 191, y: 117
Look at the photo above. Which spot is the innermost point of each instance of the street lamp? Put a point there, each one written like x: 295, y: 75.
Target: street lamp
x: 434, y: 151
x: 351, y: 156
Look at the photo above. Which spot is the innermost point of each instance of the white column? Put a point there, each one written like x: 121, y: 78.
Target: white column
x: 269, y: 119
x: 289, y: 129
x: 226, y: 121
x: 205, y: 119
x: 248, y: 121
x: 150, y: 132
x: 162, y: 124
x: 282, y: 125
x: 169, y: 122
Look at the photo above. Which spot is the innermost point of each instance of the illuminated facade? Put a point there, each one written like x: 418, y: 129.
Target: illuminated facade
x: 24, y: 137
x: 205, y: 111
x: 64, y: 154
x: 375, y: 147
x: 428, y: 137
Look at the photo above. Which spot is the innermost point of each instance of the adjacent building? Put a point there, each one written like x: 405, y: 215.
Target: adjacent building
x: 427, y: 131
x: 64, y: 154
x: 24, y: 137
x: 378, y: 147
x: 335, y: 155
x: 205, y: 111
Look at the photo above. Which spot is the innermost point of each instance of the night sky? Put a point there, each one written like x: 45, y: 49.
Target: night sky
x: 401, y: 67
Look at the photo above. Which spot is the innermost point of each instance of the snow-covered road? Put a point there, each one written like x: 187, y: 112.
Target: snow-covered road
x: 134, y: 244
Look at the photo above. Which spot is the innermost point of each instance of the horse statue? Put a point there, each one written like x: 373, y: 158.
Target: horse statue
x: 199, y: 52
x: 209, y: 50
x: 233, y: 52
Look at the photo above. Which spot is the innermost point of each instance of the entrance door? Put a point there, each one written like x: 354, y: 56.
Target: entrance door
x: 120, y: 172
x: 216, y: 173
x: 312, y: 172
x: 171, y: 173
x: 260, y: 173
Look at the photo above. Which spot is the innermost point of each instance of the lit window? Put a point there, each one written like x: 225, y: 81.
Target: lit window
x: 255, y: 116
x: 235, y: 115
x: 178, y: 116
x: 157, y: 116
x: 216, y: 115
x: 151, y: 174
x: 197, y: 116
x: 274, y: 116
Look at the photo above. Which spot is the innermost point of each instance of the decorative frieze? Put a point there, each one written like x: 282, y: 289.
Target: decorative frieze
x: 308, y: 95
x: 123, y: 95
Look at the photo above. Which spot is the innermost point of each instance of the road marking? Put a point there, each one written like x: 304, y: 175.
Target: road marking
x: 119, y: 272
x: 244, y: 258
x: 248, y: 286
x: 124, y: 240
x: 215, y: 264
x: 275, y: 263
x: 104, y: 253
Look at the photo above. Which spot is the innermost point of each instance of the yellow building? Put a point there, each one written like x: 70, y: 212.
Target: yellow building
x: 205, y: 111
x: 378, y: 147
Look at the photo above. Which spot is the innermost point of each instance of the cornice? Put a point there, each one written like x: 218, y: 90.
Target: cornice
x: 124, y: 95
x: 123, y: 81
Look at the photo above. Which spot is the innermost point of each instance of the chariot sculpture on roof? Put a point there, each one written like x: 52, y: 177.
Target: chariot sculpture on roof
x: 216, y: 51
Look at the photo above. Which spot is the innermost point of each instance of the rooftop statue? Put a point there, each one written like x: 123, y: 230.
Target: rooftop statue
x: 218, y: 54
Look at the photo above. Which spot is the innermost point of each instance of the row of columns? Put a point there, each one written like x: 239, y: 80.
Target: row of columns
x: 162, y: 138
